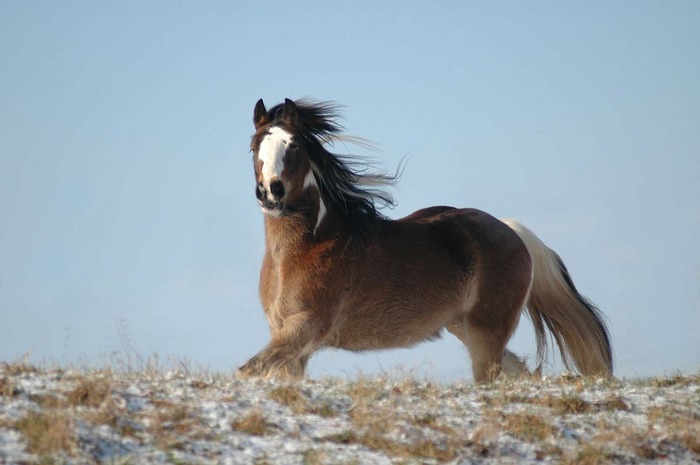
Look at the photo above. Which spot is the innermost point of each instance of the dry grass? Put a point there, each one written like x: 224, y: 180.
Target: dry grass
x: 528, y: 427
x: 254, y: 424
x: 680, y: 424
x: 7, y: 387
x: 178, y: 419
x: 18, y: 367
x: 324, y: 409
x: 613, y: 403
x: 675, y: 380
x: 47, y: 433
x: 506, y: 408
x: 367, y: 413
x: 199, y: 384
x: 587, y: 454
x: 52, y: 429
x: 290, y: 396
x: 170, y: 424
x: 364, y: 391
x: 91, y: 392
x: 48, y: 401
x: 426, y: 449
x: 375, y: 417
x: 405, y: 421
x: 563, y: 404
x: 293, y: 397
x: 570, y: 404
x: 567, y: 404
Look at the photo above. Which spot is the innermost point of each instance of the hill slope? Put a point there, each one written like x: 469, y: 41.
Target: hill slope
x: 176, y: 417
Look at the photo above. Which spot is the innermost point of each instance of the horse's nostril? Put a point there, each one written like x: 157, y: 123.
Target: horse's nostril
x: 277, y: 189
x: 260, y: 191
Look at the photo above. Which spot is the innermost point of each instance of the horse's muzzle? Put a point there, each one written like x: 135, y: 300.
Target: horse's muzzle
x: 272, y: 208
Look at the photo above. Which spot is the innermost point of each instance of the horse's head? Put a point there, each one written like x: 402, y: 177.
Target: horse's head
x: 280, y: 156
x: 295, y: 173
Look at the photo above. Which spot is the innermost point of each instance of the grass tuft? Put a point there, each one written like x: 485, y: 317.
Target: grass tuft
x: 7, y: 387
x: 91, y: 392
x: 528, y: 427
x: 254, y: 424
x: 47, y: 433
x: 19, y: 367
x: 425, y: 449
x: 613, y: 403
x: 290, y: 396
x: 567, y: 404
x: 587, y: 454
x: 675, y: 380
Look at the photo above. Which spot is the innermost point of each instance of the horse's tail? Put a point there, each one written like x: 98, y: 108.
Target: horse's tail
x: 575, y: 323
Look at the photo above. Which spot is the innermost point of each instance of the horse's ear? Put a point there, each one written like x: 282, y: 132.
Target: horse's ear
x: 289, y: 113
x: 260, y: 115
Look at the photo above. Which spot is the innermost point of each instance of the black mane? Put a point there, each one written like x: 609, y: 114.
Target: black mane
x: 349, y: 183
x: 316, y: 119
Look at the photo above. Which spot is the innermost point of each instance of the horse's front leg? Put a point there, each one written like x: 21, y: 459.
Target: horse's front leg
x: 288, y: 351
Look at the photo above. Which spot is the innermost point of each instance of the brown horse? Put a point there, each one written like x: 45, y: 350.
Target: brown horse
x: 336, y: 273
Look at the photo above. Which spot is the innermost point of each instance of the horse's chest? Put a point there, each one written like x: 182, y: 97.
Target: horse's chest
x: 284, y: 288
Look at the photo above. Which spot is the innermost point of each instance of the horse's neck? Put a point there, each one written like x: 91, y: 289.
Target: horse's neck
x: 313, y: 220
x: 288, y: 234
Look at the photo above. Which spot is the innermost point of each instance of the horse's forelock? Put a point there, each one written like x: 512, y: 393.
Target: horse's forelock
x: 316, y: 118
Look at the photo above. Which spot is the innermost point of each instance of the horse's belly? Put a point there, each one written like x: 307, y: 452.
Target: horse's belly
x: 382, y: 331
x: 382, y: 342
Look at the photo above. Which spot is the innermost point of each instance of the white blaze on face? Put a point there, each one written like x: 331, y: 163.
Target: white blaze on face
x: 310, y: 181
x: 271, y: 154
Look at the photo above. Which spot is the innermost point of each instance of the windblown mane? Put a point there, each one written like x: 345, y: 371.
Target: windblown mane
x: 350, y: 183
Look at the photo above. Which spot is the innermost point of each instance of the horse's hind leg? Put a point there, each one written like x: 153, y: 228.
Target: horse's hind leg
x: 487, y: 348
x: 513, y: 365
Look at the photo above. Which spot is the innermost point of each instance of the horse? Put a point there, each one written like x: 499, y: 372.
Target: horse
x: 337, y: 273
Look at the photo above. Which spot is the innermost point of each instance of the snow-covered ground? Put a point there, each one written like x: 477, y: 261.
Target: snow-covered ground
x: 177, y: 417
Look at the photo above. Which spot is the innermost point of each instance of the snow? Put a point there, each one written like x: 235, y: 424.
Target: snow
x: 192, y: 418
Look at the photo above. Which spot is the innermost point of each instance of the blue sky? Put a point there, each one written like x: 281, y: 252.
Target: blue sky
x: 128, y: 221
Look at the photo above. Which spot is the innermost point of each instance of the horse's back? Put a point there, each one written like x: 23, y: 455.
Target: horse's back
x: 470, y: 224
x: 426, y: 214
x: 493, y: 249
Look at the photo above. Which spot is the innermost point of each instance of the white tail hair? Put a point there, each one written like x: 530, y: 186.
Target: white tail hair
x: 554, y: 304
